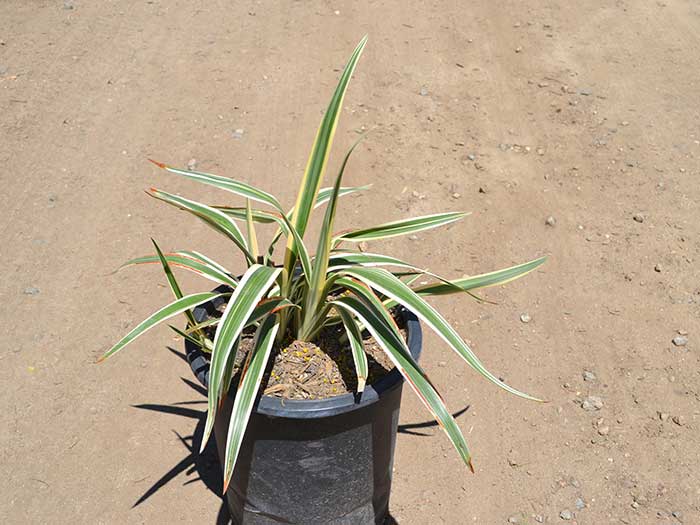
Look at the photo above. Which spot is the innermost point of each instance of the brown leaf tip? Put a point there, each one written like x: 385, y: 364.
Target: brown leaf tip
x: 159, y: 164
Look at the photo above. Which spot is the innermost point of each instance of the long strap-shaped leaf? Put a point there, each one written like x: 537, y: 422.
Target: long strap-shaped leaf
x: 213, y: 217
x: 482, y: 281
x: 313, y: 175
x: 358, y: 351
x: 248, y: 388
x: 234, y: 186
x: 188, y: 263
x: 171, y: 310
x: 410, y: 370
x: 285, y: 227
x: 402, y: 227
x: 250, y: 290
x: 386, y: 283
x: 317, y: 282
x: 322, y: 197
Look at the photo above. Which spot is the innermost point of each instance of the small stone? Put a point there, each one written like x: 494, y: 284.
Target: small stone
x: 540, y: 151
x: 68, y: 5
x: 423, y: 92
x: 682, y: 332
x: 550, y: 221
x: 663, y: 416
x: 31, y: 290
x: 238, y: 133
x: 677, y: 514
x: 514, y: 519
x: 525, y: 318
x: 680, y: 340
x: 585, y: 92
x: 589, y: 376
x: 442, y: 364
x: 456, y: 195
x: 519, y: 49
x: 604, y: 430
x: 658, y: 268
x: 363, y: 246
x: 413, y: 237
x: 471, y: 156
x: 580, y: 504
x: 539, y: 518
x: 543, y: 84
x: 635, y: 505
x: 482, y: 189
x: 638, y: 217
x: 592, y: 403
x: 191, y: 164
x: 566, y: 515
x: 678, y: 420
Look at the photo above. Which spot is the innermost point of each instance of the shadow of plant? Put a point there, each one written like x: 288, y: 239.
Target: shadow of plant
x: 205, y: 467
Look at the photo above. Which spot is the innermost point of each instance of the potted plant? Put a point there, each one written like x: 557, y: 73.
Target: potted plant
x: 325, y: 458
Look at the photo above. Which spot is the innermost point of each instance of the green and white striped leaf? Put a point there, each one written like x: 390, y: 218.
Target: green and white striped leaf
x: 171, y: 310
x: 250, y: 230
x: 239, y: 188
x: 317, y: 282
x: 358, y: 351
x: 250, y: 290
x: 402, y: 227
x: 247, y: 391
x: 174, y: 286
x: 386, y: 283
x: 481, y: 281
x: 260, y: 216
x: 211, y: 216
x: 180, y: 260
x: 315, y: 167
x: 394, y: 347
x: 324, y: 194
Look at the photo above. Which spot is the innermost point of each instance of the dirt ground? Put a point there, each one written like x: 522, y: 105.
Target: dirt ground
x: 586, y: 112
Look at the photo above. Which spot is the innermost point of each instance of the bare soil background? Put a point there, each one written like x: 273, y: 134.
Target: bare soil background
x: 586, y: 112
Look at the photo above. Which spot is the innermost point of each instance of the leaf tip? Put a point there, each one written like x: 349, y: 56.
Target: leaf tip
x: 470, y: 463
x: 159, y: 164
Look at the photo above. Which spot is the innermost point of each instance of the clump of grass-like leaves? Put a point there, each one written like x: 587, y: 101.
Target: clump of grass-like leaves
x: 309, y: 291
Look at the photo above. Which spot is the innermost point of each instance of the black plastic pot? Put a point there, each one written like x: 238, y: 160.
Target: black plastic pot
x: 313, y: 462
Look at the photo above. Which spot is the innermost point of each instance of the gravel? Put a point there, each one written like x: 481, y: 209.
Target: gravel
x: 589, y: 376
x: 31, y: 290
x: 592, y: 403
x: 525, y: 318
x: 680, y: 340
x: 566, y: 515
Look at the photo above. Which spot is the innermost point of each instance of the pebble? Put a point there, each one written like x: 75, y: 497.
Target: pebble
x: 678, y: 420
x: 31, y: 290
x: 680, y: 340
x: 580, y: 504
x: 525, y: 318
x: 589, y: 376
x: 658, y: 268
x: 550, y: 221
x: 663, y: 416
x: 191, y: 164
x: 514, y: 519
x: 585, y: 92
x: 635, y: 505
x: 604, y: 430
x: 677, y: 514
x: 539, y: 518
x: 638, y: 217
x: 423, y: 92
x: 471, y: 156
x: 592, y: 403
x: 363, y: 246
x: 456, y: 195
x: 68, y: 5
x: 566, y: 515
x: 519, y: 49
x: 413, y: 237
x: 238, y: 133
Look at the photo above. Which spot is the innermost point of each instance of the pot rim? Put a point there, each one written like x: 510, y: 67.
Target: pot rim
x: 310, y: 408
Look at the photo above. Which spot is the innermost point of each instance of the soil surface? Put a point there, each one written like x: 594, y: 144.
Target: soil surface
x: 566, y: 128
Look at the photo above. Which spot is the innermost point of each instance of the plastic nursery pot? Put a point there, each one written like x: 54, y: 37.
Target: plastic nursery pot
x: 325, y: 461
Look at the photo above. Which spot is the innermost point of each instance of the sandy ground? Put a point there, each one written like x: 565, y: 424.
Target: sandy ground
x: 587, y: 113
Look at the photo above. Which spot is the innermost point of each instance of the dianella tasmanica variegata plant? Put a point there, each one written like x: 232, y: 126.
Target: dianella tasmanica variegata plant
x: 335, y: 285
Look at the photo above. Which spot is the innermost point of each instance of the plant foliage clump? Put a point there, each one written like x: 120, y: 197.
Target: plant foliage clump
x: 335, y: 285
